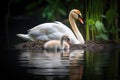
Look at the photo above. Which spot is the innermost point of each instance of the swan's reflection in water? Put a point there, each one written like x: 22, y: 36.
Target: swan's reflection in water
x: 60, y: 63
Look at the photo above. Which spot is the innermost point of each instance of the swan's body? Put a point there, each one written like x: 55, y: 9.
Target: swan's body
x: 55, y: 30
x: 63, y: 43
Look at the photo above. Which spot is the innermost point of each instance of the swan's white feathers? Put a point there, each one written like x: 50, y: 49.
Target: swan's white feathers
x: 48, y: 31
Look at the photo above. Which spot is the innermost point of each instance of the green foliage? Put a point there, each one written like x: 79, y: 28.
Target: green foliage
x: 90, y: 21
x: 110, y: 15
x: 50, y: 9
x: 95, y: 28
x: 100, y: 27
x: 112, y: 20
x: 53, y: 9
x: 101, y: 30
x: 94, y: 19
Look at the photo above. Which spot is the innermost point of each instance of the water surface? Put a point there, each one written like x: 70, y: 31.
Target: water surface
x: 60, y: 65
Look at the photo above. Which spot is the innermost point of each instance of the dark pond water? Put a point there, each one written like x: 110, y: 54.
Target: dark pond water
x: 63, y: 65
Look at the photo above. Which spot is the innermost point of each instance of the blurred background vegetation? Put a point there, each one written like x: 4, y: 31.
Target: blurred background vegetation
x: 101, y: 17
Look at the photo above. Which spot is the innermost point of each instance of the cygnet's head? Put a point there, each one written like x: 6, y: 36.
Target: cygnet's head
x: 65, y: 38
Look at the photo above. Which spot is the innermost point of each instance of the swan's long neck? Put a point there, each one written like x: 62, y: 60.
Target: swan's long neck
x: 75, y: 29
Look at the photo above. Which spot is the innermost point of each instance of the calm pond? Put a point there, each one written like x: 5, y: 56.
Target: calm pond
x: 62, y: 65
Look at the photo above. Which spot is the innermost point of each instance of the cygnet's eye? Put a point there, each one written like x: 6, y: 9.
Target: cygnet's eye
x: 68, y: 39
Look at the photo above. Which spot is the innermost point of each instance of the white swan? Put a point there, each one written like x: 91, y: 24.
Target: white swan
x: 50, y: 31
x: 63, y: 43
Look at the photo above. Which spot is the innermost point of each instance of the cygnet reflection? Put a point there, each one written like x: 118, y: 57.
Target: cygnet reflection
x: 50, y: 62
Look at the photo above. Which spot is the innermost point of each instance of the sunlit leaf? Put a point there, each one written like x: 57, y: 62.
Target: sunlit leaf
x: 100, y: 27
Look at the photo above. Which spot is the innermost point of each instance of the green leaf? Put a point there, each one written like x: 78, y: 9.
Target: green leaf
x: 100, y: 27
x: 102, y: 36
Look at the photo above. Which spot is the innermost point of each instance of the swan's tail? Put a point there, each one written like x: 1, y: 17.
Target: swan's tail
x: 24, y: 36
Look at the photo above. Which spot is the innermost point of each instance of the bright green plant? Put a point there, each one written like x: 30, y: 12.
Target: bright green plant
x: 94, y: 26
x: 102, y: 33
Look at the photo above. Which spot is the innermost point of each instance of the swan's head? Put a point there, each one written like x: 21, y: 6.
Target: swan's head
x: 76, y: 14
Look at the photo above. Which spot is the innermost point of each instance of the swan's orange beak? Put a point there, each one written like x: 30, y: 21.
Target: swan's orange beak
x: 80, y: 19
